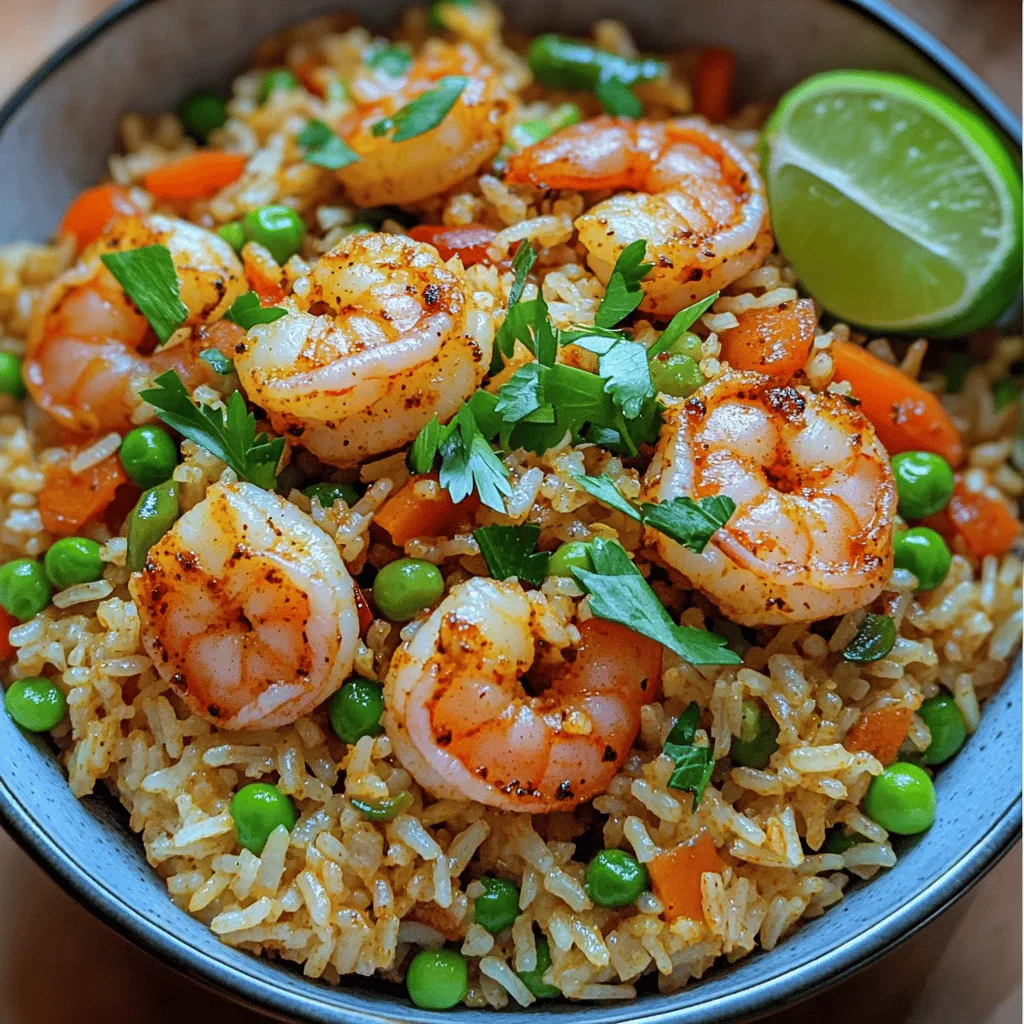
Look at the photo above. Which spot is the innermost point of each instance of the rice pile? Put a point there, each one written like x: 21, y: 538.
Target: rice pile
x: 341, y: 895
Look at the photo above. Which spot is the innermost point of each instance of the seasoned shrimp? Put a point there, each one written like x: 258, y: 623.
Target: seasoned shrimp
x: 690, y: 192
x: 462, y: 723
x: 247, y: 609
x: 89, y: 347
x: 471, y: 132
x: 811, y: 536
x: 386, y: 336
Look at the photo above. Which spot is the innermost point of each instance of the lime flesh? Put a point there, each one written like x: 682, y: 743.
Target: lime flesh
x: 899, y: 210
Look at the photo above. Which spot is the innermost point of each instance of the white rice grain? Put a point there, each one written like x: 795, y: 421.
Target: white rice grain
x: 500, y: 972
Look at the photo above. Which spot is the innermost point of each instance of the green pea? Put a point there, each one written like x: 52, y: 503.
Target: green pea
x: 36, y: 704
x: 233, y: 233
x: 148, y: 455
x: 924, y: 483
x: 562, y: 63
x: 405, y: 587
x: 687, y: 344
x: 73, y: 560
x: 279, y: 229
x: 356, y: 710
x: 946, y: 724
x: 327, y: 494
x: 574, y: 554
x: 151, y: 518
x: 839, y: 839
x: 534, y: 980
x: 383, y: 810
x: 498, y: 907
x: 1004, y: 391
x: 901, y: 799
x: 437, y: 979
x: 756, y: 743
x: 923, y: 552
x: 675, y: 375
x: 258, y: 809
x: 11, y: 382
x: 275, y: 80
x: 24, y: 588
x: 615, y: 879
x: 201, y: 113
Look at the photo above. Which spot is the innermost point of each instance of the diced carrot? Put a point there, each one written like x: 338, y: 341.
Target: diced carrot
x: 90, y: 212
x: 407, y: 514
x: 196, y: 176
x: 773, y: 341
x: 676, y: 877
x: 310, y: 74
x: 265, y: 278
x: 984, y: 520
x: 716, y: 73
x: 881, y: 733
x: 7, y: 623
x: 70, y: 500
x: 469, y: 243
x: 905, y: 416
x: 362, y: 610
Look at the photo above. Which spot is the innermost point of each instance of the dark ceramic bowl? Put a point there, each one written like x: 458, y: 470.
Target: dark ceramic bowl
x: 55, y: 134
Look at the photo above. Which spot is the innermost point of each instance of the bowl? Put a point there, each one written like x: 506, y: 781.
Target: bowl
x: 55, y: 134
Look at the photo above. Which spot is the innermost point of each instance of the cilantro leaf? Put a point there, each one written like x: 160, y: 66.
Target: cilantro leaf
x: 217, y: 361
x: 425, y: 112
x: 617, y: 98
x: 680, y: 324
x: 505, y: 338
x: 694, y: 765
x: 484, y: 407
x: 229, y: 433
x: 522, y: 393
x: 620, y: 594
x: 623, y: 293
x: 246, y: 311
x: 683, y: 732
x: 424, y: 449
x: 603, y: 488
x: 688, y: 522
x: 627, y: 376
x: 322, y: 147
x: 149, y: 279
x: 509, y: 551
x: 468, y: 462
x: 394, y: 61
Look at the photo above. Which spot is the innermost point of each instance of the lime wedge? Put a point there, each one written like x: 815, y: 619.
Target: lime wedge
x: 899, y: 210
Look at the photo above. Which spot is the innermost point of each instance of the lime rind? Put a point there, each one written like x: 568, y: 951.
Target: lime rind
x: 990, y: 280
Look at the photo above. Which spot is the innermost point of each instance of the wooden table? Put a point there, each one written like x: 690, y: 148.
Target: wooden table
x: 59, y: 965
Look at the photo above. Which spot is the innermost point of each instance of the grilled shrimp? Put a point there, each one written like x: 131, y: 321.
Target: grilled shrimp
x: 428, y: 164
x: 247, y: 609
x: 689, y: 191
x: 462, y: 723
x: 89, y: 347
x: 811, y: 536
x: 386, y: 337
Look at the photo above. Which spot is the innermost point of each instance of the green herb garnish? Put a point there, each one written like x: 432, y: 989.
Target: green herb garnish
x: 322, y: 146
x: 383, y: 810
x: 394, y: 61
x: 694, y: 764
x: 618, y: 99
x: 875, y: 639
x: 425, y: 112
x: 246, y: 311
x: 505, y: 338
x: 680, y: 324
x: 217, y: 361
x: 149, y: 279
x: 623, y: 292
x: 229, y: 433
x: 510, y: 551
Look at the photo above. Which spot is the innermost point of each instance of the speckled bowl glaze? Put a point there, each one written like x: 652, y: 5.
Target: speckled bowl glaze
x: 55, y: 134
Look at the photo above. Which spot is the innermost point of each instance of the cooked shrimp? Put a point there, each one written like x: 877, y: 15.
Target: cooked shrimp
x: 428, y: 164
x: 247, y: 609
x: 89, y: 347
x: 386, y: 337
x: 693, y: 194
x: 462, y: 723
x: 811, y: 536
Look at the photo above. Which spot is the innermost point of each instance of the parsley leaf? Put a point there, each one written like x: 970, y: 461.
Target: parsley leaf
x: 246, y: 311
x: 620, y: 594
x: 483, y: 405
x: 510, y: 551
x: 505, y: 338
x: 229, y: 433
x: 522, y: 393
x: 424, y: 448
x: 694, y: 765
x: 680, y: 324
x: 322, y: 146
x: 688, y: 522
x: 627, y: 376
x: 394, y: 61
x: 425, y: 112
x: 468, y: 462
x: 623, y: 293
x: 217, y: 361
x: 149, y: 279
x: 617, y: 98
x: 875, y: 639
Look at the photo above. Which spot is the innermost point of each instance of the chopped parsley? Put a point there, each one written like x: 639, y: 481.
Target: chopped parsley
x: 322, y: 146
x: 623, y: 292
x: 680, y: 324
x: 149, y: 279
x: 505, y: 338
x: 247, y: 311
x: 511, y: 551
x: 229, y: 433
x: 694, y: 764
x: 619, y: 593
x: 217, y: 361
x: 875, y: 639
x: 618, y: 98
x: 425, y: 112
x: 394, y: 61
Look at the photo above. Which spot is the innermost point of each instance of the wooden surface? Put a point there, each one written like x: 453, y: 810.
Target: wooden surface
x: 58, y: 965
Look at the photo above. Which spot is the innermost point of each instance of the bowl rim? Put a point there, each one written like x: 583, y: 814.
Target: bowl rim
x: 823, y: 971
